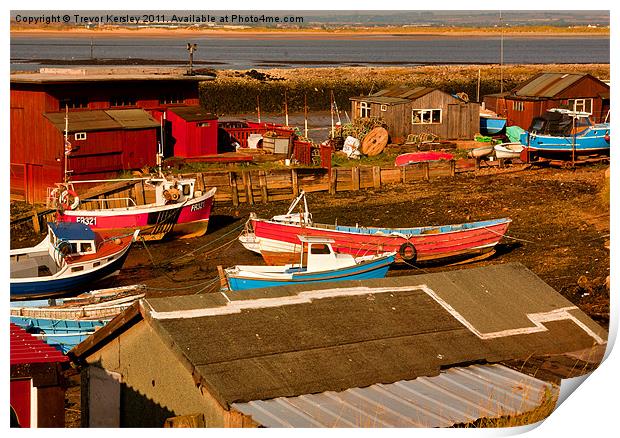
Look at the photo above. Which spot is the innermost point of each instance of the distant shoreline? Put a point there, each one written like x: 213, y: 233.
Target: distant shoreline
x: 382, y: 33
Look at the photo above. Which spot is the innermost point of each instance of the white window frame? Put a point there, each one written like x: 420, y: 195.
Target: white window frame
x: 383, y: 107
x: 574, y: 103
x: 80, y: 136
x: 426, y: 116
x: 364, y: 109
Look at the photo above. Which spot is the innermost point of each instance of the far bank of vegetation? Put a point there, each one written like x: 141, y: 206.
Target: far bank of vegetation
x: 236, y: 92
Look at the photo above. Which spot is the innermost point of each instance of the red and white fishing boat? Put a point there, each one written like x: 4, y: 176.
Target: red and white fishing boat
x: 277, y: 239
x: 179, y: 210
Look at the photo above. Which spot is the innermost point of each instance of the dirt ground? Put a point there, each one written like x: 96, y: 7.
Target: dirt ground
x: 560, y: 231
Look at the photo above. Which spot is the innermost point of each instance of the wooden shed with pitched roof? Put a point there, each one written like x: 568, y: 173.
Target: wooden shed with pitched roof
x: 305, y: 356
x: 419, y: 110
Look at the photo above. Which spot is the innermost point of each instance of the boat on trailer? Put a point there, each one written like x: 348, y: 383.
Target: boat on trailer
x: 70, y: 259
x: 318, y: 263
x: 278, y: 243
x: 561, y: 131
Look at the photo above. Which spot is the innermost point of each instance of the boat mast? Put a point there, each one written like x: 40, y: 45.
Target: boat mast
x: 574, y: 138
x: 160, y: 146
x: 67, y: 145
x: 501, y: 54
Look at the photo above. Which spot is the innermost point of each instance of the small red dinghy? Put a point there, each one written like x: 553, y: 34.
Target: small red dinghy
x: 419, y: 157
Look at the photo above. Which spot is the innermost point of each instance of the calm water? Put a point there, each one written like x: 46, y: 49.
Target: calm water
x: 244, y: 52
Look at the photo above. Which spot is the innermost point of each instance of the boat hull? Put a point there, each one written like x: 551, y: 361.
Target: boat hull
x: 367, y: 270
x: 279, y: 243
x: 492, y: 125
x: 62, y: 334
x: 189, y: 219
x: 23, y: 289
x: 593, y: 140
x: 420, y: 157
x: 508, y: 151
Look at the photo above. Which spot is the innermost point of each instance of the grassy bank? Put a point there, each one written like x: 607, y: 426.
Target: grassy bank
x: 236, y: 92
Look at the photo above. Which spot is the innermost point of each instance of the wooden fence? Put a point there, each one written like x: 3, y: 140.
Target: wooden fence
x: 263, y: 186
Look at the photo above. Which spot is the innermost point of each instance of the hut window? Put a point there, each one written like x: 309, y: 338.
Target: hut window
x: 517, y: 105
x: 80, y: 136
x: 364, y: 109
x: 383, y: 107
x: 123, y: 101
x: 203, y: 124
x: 425, y: 116
x: 581, y: 105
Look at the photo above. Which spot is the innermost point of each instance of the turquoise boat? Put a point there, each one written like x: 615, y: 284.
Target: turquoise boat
x: 321, y: 265
x: 490, y: 125
x: 561, y: 131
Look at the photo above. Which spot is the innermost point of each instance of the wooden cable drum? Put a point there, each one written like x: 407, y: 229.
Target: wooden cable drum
x: 375, y: 141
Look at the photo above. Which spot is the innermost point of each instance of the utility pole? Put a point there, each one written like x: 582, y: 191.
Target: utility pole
x: 191, y: 48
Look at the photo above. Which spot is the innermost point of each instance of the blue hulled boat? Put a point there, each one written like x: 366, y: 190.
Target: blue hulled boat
x: 491, y: 125
x: 71, y: 258
x: 322, y: 265
x: 561, y: 131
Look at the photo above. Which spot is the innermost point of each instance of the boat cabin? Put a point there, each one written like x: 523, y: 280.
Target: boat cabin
x: 560, y: 122
x: 171, y: 192
x: 321, y: 255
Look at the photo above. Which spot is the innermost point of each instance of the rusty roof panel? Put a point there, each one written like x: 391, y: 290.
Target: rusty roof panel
x: 382, y: 100
x: 548, y: 84
x: 133, y: 118
x: 404, y: 92
x: 457, y: 395
x: 83, y: 121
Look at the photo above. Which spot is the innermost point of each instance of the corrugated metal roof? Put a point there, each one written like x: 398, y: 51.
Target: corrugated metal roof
x: 457, y: 395
x: 548, y: 84
x: 192, y: 113
x: 102, y: 120
x: 133, y: 118
x: 107, y: 74
x: 25, y: 349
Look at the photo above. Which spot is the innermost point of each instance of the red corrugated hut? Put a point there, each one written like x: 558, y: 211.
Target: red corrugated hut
x: 37, y: 383
x: 575, y: 91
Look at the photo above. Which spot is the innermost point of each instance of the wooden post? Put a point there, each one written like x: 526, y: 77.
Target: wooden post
x: 452, y: 167
x: 35, y: 222
x: 220, y: 273
x: 355, y: 178
x: 232, y: 177
x: 294, y: 182
x: 376, y: 177
x: 403, y: 174
x: 333, y: 179
x: 427, y: 171
x: 262, y: 181
x: 247, y: 183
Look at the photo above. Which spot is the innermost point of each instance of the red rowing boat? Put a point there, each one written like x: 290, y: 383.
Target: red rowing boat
x: 277, y: 239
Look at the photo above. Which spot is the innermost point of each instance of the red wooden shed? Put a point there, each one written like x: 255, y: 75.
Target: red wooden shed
x: 37, y: 383
x: 194, y: 131
x: 99, y: 99
x: 575, y: 91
